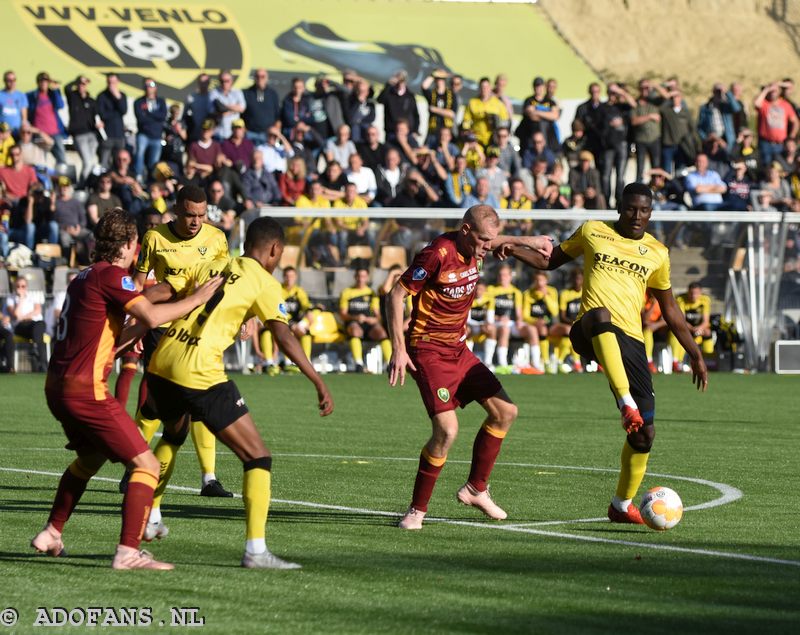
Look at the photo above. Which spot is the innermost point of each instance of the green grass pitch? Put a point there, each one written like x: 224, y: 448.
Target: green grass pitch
x: 339, y: 482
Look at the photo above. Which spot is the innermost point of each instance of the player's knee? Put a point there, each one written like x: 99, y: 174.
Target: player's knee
x: 642, y: 439
x: 176, y: 434
x: 146, y: 461
x: 507, y: 413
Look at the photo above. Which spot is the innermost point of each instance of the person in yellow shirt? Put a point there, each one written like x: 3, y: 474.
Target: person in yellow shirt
x: 168, y: 250
x: 187, y: 374
x: 297, y: 304
x: 317, y: 232
x: 481, y: 323
x: 351, y: 230
x: 539, y: 310
x: 569, y: 305
x: 516, y: 200
x: 485, y: 113
x: 507, y: 315
x: 6, y: 143
x: 359, y: 308
x: 696, y: 307
x: 620, y: 262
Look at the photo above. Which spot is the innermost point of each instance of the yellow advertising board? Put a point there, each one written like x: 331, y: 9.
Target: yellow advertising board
x: 174, y: 42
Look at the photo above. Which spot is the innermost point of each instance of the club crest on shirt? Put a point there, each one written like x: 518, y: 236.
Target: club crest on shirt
x: 642, y: 250
x: 419, y: 274
x: 127, y: 284
x: 202, y: 250
x: 443, y: 394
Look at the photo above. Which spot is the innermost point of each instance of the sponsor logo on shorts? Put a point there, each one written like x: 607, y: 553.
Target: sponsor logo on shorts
x: 419, y: 274
x: 127, y: 284
x: 240, y: 402
x: 282, y: 309
x: 443, y: 394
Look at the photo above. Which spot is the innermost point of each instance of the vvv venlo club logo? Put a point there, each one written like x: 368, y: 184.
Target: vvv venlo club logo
x: 172, y: 44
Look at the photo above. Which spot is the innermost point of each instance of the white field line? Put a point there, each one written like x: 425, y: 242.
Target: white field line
x: 495, y: 526
x: 728, y: 493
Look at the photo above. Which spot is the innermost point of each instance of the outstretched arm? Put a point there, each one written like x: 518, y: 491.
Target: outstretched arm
x: 400, y: 359
x: 677, y: 323
x: 534, y: 258
x: 288, y: 343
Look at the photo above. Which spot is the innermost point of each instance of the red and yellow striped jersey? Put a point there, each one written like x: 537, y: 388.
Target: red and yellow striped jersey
x: 442, y: 283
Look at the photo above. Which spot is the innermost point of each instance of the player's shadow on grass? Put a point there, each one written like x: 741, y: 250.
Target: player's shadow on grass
x: 87, y: 560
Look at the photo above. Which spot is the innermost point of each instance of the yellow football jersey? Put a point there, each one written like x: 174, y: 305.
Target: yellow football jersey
x: 482, y: 310
x: 296, y: 301
x: 168, y: 255
x: 507, y: 300
x: 617, y: 271
x: 694, y: 311
x: 190, y: 351
x: 569, y: 302
x: 359, y: 301
x: 538, y: 305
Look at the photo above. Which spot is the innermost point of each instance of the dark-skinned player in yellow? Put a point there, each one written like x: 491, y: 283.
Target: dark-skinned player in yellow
x: 186, y: 374
x: 168, y: 250
x: 621, y: 262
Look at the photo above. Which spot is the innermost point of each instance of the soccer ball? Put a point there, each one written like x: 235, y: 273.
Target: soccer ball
x: 661, y: 508
x: 147, y: 45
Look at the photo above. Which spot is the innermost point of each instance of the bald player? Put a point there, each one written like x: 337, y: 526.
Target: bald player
x: 442, y: 281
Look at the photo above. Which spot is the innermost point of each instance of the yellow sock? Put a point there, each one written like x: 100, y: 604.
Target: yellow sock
x: 147, y: 426
x: 205, y: 445
x: 256, y: 494
x: 564, y: 349
x: 386, y: 349
x: 167, y: 454
x: 356, y: 348
x: 633, y: 465
x: 677, y: 349
x: 606, y: 348
x: 305, y: 342
x: 267, y: 347
x: 649, y: 343
x: 707, y: 346
x: 544, y: 345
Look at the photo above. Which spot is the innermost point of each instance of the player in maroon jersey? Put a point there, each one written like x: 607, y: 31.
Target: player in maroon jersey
x: 442, y: 281
x: 96, y: 425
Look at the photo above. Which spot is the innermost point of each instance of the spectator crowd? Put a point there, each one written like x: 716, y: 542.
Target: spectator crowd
x: 328, y: 146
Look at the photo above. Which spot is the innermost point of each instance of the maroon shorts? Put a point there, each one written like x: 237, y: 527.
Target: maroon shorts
x: 450, y: 377
x: 97, y: 426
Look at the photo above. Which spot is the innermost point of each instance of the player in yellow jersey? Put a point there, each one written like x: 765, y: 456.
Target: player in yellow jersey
x: 359, y: 308
x: 297, y: 304
x: 187, y: 374
x: 481, y: 323
x: 168, y: 250
x: 507, y: 315
x: 539, y: 311
x: 621, y: 261
x: 696, y: 306
x: 569, y: 305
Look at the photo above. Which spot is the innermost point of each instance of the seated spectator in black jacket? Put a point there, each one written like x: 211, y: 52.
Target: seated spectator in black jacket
x: 260, y: 186
x: 372, y: 151
x: 739, y: 183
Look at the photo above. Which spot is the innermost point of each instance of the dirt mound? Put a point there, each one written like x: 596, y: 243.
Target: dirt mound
x: 700, y: 41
